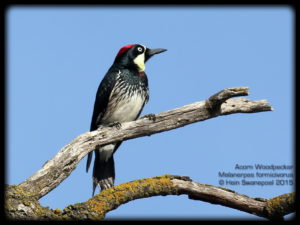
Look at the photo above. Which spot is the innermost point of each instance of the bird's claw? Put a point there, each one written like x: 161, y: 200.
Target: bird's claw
x: 150, y: 116
x: 118, y: 125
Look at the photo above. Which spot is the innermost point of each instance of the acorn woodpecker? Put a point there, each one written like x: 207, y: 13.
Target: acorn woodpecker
x: 121, y: 96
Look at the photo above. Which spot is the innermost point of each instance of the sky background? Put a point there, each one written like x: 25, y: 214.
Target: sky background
x: 57, y: 56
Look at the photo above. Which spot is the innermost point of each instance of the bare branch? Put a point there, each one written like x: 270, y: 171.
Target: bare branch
x: 22, y: 200
x: 66, y: 160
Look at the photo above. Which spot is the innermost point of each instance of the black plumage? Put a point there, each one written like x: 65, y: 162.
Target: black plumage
x: 120, y: 97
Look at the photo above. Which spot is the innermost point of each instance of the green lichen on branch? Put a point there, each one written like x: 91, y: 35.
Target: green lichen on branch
x: 280, y: 206
x: 111, y: 198
x: 22, y: 205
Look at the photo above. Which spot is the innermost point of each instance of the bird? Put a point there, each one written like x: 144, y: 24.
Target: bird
x: 120, y: 97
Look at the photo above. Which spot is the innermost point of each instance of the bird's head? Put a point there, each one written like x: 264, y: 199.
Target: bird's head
x: 135, y: 56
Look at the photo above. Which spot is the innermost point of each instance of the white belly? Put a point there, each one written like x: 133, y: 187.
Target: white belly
x: 126, y: 109
x: 106, y: 151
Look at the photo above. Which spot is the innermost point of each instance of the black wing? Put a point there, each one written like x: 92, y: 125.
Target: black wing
x: 102, y: 97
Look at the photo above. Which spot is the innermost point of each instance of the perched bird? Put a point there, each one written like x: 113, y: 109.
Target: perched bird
x: 121, y: 96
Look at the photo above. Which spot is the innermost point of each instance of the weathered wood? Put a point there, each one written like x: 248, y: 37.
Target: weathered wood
x: 98, y: 206
x: 65, y: 161
x: 22, y: 200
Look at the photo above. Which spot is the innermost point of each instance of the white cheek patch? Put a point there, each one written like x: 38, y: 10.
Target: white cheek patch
x: 140, y: 61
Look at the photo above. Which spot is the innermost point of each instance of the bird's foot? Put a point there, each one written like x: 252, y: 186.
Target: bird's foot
x: 118, y: 125
x: 150, y: 116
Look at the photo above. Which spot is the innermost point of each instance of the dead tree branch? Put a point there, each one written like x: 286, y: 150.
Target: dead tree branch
x: 107, y: 200
x: 65, y: 161
x: 110, y: 199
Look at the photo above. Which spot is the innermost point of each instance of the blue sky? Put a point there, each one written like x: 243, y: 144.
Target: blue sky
x: 57, y: 56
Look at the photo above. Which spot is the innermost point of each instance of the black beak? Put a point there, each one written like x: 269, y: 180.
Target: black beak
x: 151, y: 52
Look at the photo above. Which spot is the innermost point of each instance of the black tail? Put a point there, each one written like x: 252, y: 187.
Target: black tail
x: 88, y: 162
x: 104, y: 166
x: 103, y: 172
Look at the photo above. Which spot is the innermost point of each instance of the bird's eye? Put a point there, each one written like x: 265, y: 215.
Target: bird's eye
x: 140, y: 49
